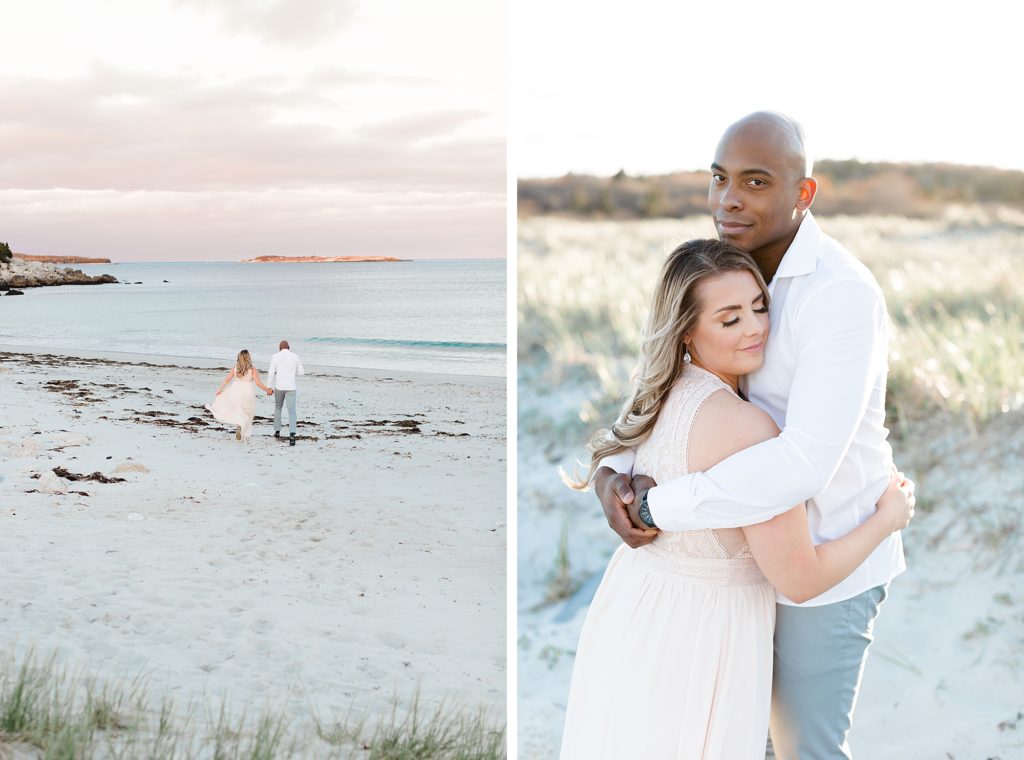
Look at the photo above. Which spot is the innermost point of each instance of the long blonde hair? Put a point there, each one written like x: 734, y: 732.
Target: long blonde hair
x: 674, y: 313
x: 243, y: 364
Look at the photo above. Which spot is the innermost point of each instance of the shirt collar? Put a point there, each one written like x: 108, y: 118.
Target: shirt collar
x: 802, y: 255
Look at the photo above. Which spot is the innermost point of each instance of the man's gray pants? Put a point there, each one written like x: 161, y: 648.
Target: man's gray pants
x: 819, y: 660
x: 279, y: 399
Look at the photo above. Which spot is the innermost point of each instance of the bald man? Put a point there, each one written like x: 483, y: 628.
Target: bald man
x: 284, y: 366
x: 823, y: 382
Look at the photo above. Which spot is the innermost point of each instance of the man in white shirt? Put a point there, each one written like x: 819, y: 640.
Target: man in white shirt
x: 284, y: 366
x: 823, y: 382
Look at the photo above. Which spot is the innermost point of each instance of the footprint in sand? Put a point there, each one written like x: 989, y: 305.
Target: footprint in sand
x: 361, y: 609
x: 262, y: 626
x: 392, y: 639
x: 230, y: 627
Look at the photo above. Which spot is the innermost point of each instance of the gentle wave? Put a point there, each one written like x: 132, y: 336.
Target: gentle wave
x: 411, y: 343
x: 361, y: 316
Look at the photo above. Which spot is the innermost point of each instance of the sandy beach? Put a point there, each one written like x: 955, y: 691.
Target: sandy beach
x: 347, y: 572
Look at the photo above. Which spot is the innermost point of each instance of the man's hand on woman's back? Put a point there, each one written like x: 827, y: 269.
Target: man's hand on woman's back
x: 615, y: 490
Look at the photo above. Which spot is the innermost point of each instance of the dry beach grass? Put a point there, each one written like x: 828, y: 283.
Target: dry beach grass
x: 952, y: 632
x: 46, y: 712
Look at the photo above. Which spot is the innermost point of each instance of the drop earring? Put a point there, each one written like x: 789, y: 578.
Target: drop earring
x: 686, y: 352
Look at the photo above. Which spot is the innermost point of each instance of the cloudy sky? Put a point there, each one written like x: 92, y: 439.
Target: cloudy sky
x: 649, y: 85
x: 225, y: 129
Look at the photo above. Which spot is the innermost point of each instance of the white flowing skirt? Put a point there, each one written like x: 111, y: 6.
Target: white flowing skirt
x: 674, y: 661
x: 236, y: 405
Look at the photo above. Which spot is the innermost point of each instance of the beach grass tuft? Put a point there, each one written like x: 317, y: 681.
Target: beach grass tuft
x: 36, y: 707
x: 562, y: 584
x: 436, y: 735
x: 47, y: 713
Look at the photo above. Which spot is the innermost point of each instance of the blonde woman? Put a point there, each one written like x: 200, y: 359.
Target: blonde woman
x: 237, y: 405
x: 675, y: 656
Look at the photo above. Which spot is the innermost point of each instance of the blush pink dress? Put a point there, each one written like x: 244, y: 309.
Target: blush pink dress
x: 675, y: 656
x: 236, y: 405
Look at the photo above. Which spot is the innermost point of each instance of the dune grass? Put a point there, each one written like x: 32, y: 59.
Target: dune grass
x: 47, y: 712
x: 954, y: 288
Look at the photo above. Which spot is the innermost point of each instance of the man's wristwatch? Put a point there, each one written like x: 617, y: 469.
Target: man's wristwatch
x: 645, y: 512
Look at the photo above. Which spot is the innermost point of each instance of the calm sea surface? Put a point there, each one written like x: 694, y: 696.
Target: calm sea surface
x: 421, y: 316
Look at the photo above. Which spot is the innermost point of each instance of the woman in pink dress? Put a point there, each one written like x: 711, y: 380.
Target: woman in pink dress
x: 675, y: 657
x: 237, y: 404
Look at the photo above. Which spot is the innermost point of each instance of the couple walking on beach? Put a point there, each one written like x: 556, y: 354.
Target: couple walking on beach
x: 728, y: 609
x: 237, y: 404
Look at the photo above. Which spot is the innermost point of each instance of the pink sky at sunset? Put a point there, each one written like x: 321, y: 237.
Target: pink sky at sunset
x: 215, y: 129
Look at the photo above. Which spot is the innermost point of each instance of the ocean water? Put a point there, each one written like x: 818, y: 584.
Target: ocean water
x: 422, y: 316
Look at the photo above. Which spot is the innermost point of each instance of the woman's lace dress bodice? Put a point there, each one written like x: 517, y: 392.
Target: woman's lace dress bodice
x: 665, y: 456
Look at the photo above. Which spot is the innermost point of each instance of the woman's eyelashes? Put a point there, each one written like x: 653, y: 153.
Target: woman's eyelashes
x: 736, y: 320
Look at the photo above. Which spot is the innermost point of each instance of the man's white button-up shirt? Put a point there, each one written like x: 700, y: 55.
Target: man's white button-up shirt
x: 284, y: 366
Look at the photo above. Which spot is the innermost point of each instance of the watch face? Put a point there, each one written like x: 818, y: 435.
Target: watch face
x: 645, y: 513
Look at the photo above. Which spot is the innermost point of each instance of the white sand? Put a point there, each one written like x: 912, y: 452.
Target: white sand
x: 944, y: 676
x: 341, y: 572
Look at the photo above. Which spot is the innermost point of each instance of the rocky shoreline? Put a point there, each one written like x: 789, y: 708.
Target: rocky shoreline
x: 19, y: 273
x: 60, y: 259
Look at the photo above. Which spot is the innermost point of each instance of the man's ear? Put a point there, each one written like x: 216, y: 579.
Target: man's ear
x: 808, y: 189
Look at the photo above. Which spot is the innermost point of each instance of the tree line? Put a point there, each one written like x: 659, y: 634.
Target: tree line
x: 844, y: 187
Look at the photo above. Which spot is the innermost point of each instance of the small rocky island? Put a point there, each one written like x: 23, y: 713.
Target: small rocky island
x: 316, y: 259
x: 41, y: 271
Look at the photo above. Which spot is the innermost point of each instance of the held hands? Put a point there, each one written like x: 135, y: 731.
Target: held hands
x: 616, y: 493
x: 270, y: 391
x: 898, y: 500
